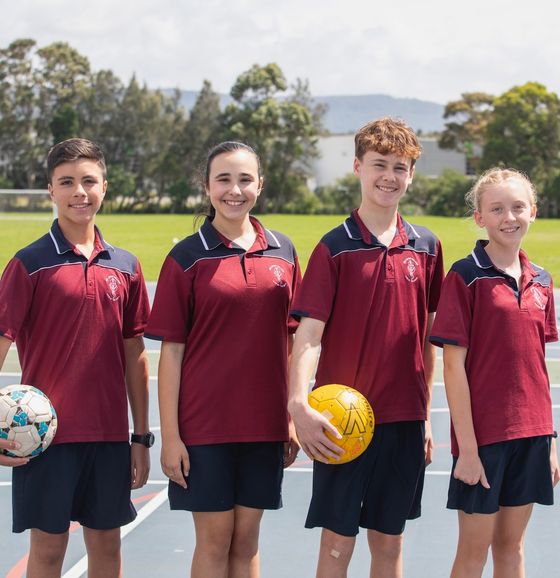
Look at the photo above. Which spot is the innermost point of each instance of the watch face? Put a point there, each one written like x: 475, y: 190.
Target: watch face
x: 150, y: 438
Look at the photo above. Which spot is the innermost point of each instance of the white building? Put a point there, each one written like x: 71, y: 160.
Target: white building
x: 337, y: 156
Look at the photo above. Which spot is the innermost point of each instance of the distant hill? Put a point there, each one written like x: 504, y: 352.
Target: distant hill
x: 348, y: 113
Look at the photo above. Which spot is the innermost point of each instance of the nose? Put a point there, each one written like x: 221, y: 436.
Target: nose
x: 236, y: 189
x: 389, y: 175
x: 80, y: 191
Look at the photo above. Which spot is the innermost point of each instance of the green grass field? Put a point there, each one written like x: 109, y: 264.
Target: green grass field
x: 150, y: 237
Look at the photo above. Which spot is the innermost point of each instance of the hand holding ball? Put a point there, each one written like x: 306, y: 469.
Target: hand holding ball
x: 350, y: 412
x: 28, y: 418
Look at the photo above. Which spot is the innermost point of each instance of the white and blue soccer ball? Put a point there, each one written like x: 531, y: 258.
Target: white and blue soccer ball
x: 27, y: 417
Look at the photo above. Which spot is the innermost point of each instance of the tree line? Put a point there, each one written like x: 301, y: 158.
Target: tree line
x: 520, y: 129
x: 156, y: 148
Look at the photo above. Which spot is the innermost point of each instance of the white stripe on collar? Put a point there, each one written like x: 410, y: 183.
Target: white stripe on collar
x: 55, y: 243
x: 473, y: 253
x: 414, y: 230
x: 347, y: 230
x: 274, y: 237
x: 203, y: 240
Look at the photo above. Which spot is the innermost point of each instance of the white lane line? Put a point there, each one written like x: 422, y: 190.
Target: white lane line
x: 80, y: 568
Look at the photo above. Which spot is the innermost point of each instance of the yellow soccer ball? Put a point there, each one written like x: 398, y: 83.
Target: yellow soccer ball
x: 350, y: 412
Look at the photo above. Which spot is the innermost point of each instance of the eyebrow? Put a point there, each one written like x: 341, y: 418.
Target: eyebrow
x: 386, y: 162
x: 65, y: 177
x: 229, y: 175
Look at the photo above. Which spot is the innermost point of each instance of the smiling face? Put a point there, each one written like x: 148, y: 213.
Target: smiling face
x: 77, y: 188
x: 383, y: 178
x: 506, y: 210
x: 234, y: 185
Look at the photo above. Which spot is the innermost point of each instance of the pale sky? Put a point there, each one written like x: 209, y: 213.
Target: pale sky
x: 428, y: 49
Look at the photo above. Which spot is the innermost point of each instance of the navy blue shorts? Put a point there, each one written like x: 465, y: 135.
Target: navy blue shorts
x: 379, y: 490
x: 222, y: 476
x: 518, y: 472
x: 86, y: 482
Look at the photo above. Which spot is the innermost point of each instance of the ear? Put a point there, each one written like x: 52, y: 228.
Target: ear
x: 356, y: 166
x: 105, y: 185
x: 50, y: 189
x: 410, y: 174
x: 478, y: 219
x: 533, y: 213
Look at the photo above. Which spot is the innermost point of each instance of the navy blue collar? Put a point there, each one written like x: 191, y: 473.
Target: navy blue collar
x: 480, y: 256
x: 63, y: 246
x: 353, y: 230
x: 483, y: 261
x: 211, y: 239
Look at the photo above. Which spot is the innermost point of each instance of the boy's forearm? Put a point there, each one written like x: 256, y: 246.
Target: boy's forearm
x: 137, y: 383
x: 304, y: 356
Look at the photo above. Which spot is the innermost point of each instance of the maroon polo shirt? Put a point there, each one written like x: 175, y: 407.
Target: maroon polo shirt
x: 230, y: 307
x: 375, y: 302
x: 504, y: 328
x: 69, y: 317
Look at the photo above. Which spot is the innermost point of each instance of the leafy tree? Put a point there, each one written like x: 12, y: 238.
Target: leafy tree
x: 101, y: 112
x: 524, y: 133
x: 64, y: 82
x: 283, y: 129
x: 148, y: 124
x: 447, y: 194
x: 64, y: 123
x: 203, y: 128
x: 18, y: 132
x: 342, y: 197
x: 466, y: 129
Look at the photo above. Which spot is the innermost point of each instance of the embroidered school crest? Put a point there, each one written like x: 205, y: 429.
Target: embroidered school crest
x: 113, y: 286
x: 411, y: 266
x: 538, y: 298
x: 278, y: 275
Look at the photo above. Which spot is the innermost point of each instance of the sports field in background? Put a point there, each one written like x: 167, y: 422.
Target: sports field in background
x: 150, y: 237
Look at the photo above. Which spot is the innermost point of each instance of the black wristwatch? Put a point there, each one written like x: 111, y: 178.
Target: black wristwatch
x: 146, y: 439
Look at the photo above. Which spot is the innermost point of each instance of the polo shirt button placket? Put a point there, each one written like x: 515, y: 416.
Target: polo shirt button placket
x: 390, y: 268
x: 250, y: 270
x: 90, y: 282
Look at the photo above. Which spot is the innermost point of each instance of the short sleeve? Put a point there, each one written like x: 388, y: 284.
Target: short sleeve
x: 137, y: 307
x: 296, y: 286
x: 318, y: 289
x: 453, y: 320
x: 16, y: 296
x: 436, y: 280
x: 171, y: 316
x: 551, y: 330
